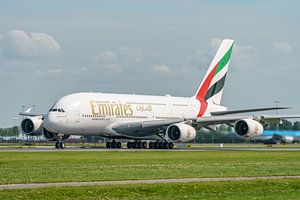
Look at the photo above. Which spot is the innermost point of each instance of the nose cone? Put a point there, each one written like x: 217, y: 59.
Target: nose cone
x: 50, y: 122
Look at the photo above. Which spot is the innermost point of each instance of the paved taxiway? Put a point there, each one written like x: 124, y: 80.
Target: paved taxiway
x: 150, y: 181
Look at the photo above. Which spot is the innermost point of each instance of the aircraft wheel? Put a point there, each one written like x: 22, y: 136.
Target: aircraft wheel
x: 119, y: 145
x: 151, y: 145
x: 113, y: 144
x: 133, y: 145
x: 170, y: 145
x: 165, y: 145
x: 62, y: 145
x: 129, y: 145
x: 108, y: 145
x: 144, y: 145
x: 160, y: 145
x: 155, y: 145
x: 57, y: 145
x: 138, y: 145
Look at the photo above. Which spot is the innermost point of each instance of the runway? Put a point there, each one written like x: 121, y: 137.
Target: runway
x: 78, y: 149
x: 150, y: 181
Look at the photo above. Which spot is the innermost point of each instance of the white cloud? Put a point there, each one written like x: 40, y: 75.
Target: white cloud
x: 18, y: 44
x: 162, y: 69
x: 282, y: 47
x: 106, y: 56
x: 131, y: 54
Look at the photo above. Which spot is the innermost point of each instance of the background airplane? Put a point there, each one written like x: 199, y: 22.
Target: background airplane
x: 149, y: 121
x: 279, y: 136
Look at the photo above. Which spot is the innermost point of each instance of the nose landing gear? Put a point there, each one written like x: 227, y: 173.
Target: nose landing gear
x: 60, y: 143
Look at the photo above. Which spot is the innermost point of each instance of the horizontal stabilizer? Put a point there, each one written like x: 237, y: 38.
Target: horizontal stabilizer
x: 230, y: 112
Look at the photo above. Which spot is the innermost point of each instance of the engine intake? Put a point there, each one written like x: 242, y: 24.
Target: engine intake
x: 248, y: 128
x: 32, y: 126
x: 180, y: 133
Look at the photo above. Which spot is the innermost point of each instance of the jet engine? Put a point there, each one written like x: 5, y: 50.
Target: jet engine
x: 248, y: 128
x: 32, y: 125
x: 180, y: 133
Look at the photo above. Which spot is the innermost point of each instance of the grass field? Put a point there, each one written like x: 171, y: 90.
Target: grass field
x: 62, y: 166
x: 34, y: 167
x: 260, y: 189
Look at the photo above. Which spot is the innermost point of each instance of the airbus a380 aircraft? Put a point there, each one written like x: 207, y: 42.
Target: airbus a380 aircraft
x: 162, y: 120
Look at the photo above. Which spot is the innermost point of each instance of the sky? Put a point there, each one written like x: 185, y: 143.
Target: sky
x: 49, y: 49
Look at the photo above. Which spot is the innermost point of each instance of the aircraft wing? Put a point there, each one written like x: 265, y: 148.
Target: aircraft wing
x: 230, y: 112
x: 146, y: 128
x: 227, y: 119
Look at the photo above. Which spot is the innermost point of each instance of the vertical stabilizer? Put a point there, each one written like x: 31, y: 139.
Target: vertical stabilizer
x: 211, y: 88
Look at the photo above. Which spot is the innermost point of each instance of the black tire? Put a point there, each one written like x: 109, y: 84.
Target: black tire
x: 119, y: 145
x: 129, y: 145
x: 144, y: 145
x: 151, y: 145
x: 138, y: 145
x: 108, y: 145
x: 62, y: 145
x: 170, y: 145
x: 160, y: 145
x: 165, y: 145
x: 133, y: 145
x: 155, y: 145
x: 113, y: 144
x: 57, y: 145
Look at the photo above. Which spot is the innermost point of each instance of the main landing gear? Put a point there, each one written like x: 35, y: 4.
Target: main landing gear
x: 161, y: 145
x: 137, y: 145
x: 140, y: 145
x: 113, y: 145
x: 60, y: 143
x: 152, y: 145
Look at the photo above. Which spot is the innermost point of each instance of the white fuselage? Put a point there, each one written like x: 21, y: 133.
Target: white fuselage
x: 94, y: 113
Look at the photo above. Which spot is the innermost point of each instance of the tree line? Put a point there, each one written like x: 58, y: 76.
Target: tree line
x: 10, y: 131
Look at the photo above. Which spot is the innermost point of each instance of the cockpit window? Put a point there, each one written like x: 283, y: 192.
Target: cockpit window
x: 57, y: 110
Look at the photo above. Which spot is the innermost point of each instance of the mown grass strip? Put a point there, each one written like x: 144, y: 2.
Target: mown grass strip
x: 39, y: 167
x: 259, y: 189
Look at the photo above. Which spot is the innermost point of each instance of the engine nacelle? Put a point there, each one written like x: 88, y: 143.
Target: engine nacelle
x: 32, y: 125
x: 248, y: 128
x: 180, y: 133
